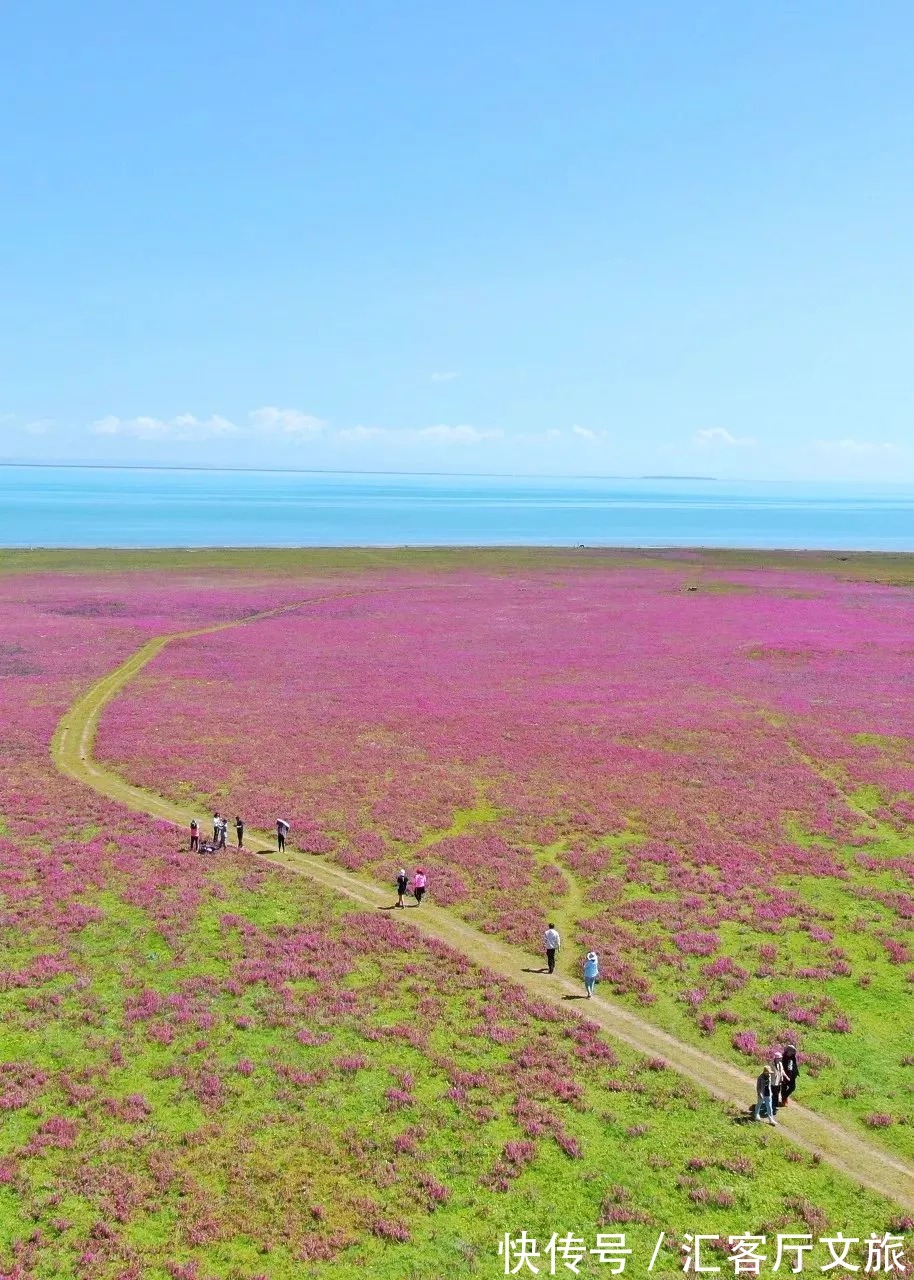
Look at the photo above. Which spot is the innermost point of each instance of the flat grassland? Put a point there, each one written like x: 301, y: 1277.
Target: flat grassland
x: 699, y: 764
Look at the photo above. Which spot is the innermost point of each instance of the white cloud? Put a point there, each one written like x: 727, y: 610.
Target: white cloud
x: 278, y: 424
x: 40, y: 427
x: 286, y: 422
x: 444, y: 377
x: 461, y: 434
x: 183, y: 427
x: 855, y: 448
x: 142, y: 428
x: 187, y: 426
x: 362, y: 433
x: 457, y: 435
x: 717, y: 435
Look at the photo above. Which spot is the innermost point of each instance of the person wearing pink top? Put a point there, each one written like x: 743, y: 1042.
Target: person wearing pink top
x: 419, y: 883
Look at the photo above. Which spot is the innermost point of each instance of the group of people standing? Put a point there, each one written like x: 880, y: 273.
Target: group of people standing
x: 590, y: 970
x: 220, y: 835
x: 776, y: 1082
x: 220, y: 832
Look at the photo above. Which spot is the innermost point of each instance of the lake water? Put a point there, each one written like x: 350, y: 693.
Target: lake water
x: 112, y: 507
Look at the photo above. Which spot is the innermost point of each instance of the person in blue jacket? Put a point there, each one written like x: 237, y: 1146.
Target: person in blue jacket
x: 591, y: 972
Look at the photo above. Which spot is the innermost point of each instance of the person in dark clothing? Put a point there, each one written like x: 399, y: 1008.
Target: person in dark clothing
x: 223, y: 830
x: 194, y: 835
x: 402, y: 886
x: 282, y: 830
x: 791, y: 1070
x: 763, y: 1104
x: 239, y: 831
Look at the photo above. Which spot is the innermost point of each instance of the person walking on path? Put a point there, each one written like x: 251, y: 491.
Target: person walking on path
x: 282, y: 830
x: 194, y: 835
x: 763, y: 1103
x: 591, y: 972
x: 551, y: 943
x: 402, y: 885
x: 239, y: 831
x: 791, y: 1069
x: 223, y: 830
x: 777, y: 1080
x: 419, y: 883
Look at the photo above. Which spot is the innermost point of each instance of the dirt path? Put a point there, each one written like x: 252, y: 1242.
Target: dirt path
x: 72, y: 752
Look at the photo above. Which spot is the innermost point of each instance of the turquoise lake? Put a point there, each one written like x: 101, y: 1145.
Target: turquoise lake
x: 112, y: 507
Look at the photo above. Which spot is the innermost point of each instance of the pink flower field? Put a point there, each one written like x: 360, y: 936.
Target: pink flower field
x: 211, y: 1070
x: 713, y: 787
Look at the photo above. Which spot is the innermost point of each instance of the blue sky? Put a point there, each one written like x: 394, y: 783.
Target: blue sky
x: 587, y: 237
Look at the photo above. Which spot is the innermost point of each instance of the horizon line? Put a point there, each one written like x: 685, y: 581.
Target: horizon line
x: 350, y: 471
x: 470, y: 475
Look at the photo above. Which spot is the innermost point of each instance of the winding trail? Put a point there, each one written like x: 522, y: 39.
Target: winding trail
x: 72, y: 753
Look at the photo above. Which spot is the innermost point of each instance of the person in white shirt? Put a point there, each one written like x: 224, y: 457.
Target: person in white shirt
x: 551, y: 942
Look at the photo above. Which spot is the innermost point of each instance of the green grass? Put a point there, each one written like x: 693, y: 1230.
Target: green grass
x: 867, y: 1073
x: 241, y: 1176
x: 256, y: 562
